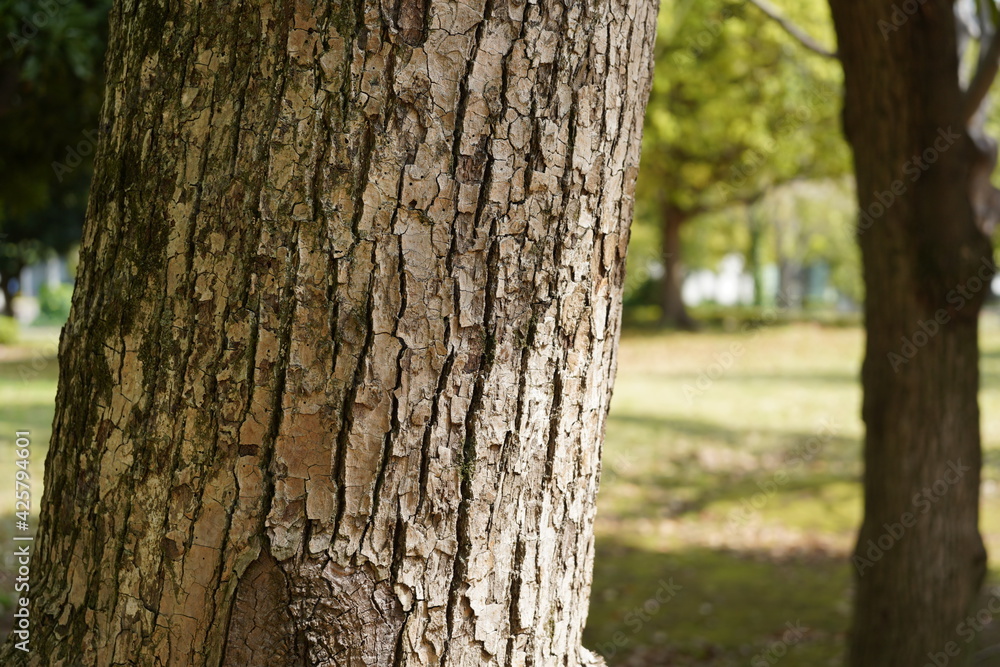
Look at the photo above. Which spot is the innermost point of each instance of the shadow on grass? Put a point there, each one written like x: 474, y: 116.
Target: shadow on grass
x: 9, y: 565
x: 728, y: 608
x: 698, y: 607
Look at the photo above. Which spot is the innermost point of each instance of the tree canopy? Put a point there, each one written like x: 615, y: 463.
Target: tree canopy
x: 736, y: 109
x: 50, y: 95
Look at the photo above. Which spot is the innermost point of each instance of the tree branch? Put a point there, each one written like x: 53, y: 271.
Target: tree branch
x: 986, y: 72
x: 798, y: 33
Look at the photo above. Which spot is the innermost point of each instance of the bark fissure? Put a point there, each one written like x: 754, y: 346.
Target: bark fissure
x: 347, y: 418
x: 469, y: 459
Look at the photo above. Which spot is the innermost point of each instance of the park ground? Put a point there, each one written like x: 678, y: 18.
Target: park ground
x: 729, y: 501
x: 731, y: 488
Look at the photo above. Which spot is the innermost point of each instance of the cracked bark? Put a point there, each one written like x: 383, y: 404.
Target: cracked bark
x: 334, y: 384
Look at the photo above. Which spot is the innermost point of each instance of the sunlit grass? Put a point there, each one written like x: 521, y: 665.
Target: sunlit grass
x: 702, y: 424
x: 28, y: 374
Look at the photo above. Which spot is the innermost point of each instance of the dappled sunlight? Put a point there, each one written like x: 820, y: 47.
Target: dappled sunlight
x: 747, y: 491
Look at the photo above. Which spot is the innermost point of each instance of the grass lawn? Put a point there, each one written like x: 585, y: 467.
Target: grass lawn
x: 700, y: 425
x: 697, y: 428
x: 28, y: 375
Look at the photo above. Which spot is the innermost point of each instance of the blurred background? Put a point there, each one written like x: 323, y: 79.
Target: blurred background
x: 731, y: 490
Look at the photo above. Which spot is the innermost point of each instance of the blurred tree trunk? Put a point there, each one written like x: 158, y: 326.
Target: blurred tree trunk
x: 786, y: 250
x: 673, y: 313
x: 8, y: 291
x: 335, y: 379
x: 806, y: 278
x: 925, y: 262
x: 789, y: 283
x: 754, y: 266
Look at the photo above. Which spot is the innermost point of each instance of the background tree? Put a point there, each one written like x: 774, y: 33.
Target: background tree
x: 736, y: 112
x: 803, y: 229
x: 335, y: 379
x: 50, y: 94
x: 923, y: 183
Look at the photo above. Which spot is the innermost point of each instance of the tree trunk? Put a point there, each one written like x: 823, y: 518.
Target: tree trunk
x: 335, y: 379
x: 754, y: 268
x: 919, y: 558
x: 789, y: 269
x: 789, y: 289
x: 805, y: 276
x: 8, y: 293
x: 673, y: 313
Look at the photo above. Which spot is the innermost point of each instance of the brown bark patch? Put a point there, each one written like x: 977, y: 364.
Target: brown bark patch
x: 412, y: 20
x: 261, y: 629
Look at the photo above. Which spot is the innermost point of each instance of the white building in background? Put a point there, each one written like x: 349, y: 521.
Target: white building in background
x: 732, y: 285
x: 729, y: 286
x: 52, y: 271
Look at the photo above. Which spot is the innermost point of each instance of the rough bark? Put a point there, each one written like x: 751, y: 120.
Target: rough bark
x: 334, y: 384
x: 924, y: 260
x: 674, y: 313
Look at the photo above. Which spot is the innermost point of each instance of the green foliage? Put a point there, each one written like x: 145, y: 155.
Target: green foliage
x: 51, y: 93
x: 35, y: 235
x: 713, y: 235
x: 54, y: 303
x: 737, y: 108
x: 643, y: 258
x: 811, y: 222
x: 749, y: 319
x: 9, y: 330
